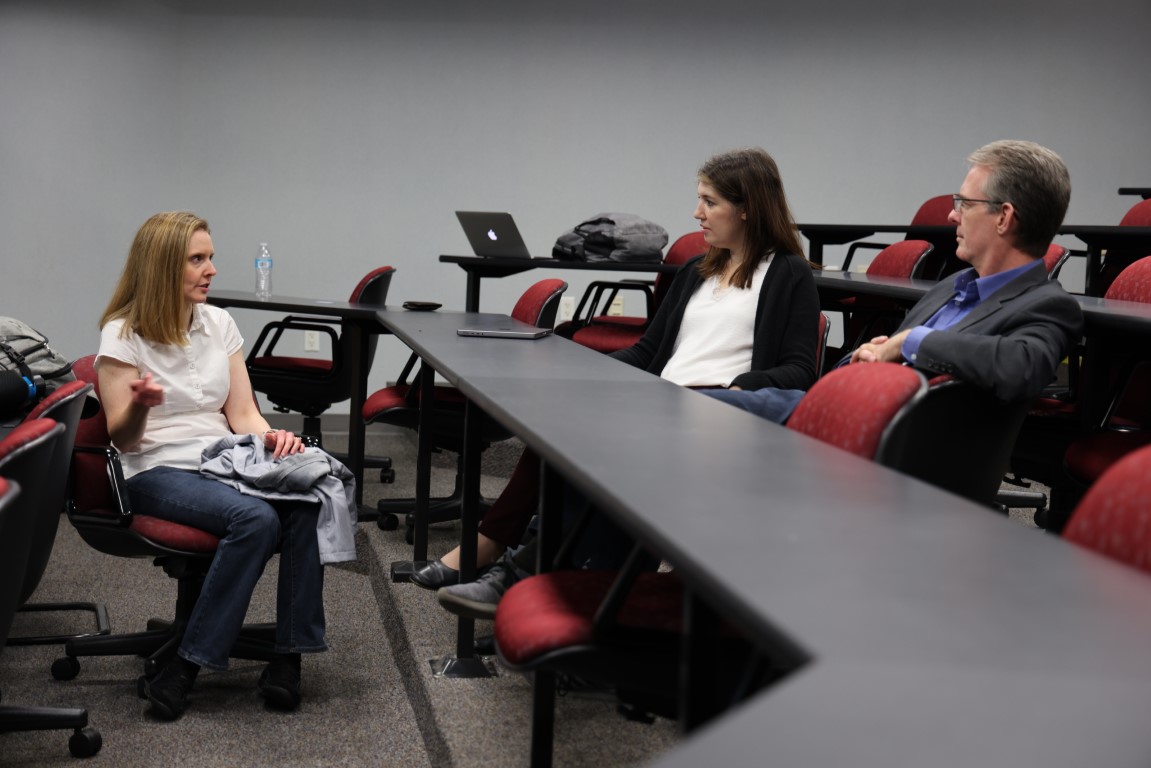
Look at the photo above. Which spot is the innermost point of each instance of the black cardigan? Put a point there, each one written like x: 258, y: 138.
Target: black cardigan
x: 786, y: 326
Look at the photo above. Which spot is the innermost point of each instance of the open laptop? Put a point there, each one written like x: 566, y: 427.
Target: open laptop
x: 493, y: 234
x: 504, y: 328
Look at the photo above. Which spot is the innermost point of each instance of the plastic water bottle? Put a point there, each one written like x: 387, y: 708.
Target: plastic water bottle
x: 264, y: 273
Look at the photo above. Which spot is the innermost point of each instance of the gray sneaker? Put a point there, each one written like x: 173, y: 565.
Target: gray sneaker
x: 478, y: 599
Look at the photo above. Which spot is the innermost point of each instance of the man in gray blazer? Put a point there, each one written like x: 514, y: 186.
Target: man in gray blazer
x: 1001, y: 325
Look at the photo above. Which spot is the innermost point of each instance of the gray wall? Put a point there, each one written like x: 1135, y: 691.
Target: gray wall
x: 346, y: 133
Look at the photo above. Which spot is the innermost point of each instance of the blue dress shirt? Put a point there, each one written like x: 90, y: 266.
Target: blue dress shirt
x: 970, y: 290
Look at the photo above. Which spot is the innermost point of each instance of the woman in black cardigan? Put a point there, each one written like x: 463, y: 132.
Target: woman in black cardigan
x: 745, y: 315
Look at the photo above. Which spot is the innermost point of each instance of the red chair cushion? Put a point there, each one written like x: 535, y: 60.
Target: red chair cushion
x: 1089, y: 457
x: 1114, y: 518
x: 389, y: 398
x: 607, y: 338
x: 306, y: 364
x: 174, y: 535
x: 556, y: 610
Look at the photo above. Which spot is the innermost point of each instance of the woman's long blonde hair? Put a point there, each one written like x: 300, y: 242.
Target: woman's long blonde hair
x: 149, y: 296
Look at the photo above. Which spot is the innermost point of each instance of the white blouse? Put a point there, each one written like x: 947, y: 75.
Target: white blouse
x: 715, y: 336
x: 195, y: 379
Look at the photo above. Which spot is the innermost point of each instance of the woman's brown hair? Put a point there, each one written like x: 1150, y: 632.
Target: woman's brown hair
x: 749, y: 179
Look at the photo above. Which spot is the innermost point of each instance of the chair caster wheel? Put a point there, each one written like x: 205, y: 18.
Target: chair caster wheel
x: 141, y: 681
x: 387, y: 522
x: 387, y: 476
x: 410, y: 535
x: 85, y: 742
x: 65, y: 668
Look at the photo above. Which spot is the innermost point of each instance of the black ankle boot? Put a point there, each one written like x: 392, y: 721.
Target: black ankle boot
x: 168, y: 690
x: 280, y: 682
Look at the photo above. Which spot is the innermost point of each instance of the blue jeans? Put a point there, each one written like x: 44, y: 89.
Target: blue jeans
x: 249, y: 529
x: 768, y: 403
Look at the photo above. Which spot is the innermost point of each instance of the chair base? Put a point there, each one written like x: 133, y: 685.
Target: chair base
x: 84, y: 742
x: 158, y: 645
x: 103, y: 626
x: 159, y: 642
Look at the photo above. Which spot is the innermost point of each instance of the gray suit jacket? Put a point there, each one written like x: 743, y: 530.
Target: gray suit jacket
x: 1010, y: 344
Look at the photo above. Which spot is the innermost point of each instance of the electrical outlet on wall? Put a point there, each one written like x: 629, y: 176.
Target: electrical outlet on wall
x: 616, y: 308
x: 311, y: 341
x: 567, y: 308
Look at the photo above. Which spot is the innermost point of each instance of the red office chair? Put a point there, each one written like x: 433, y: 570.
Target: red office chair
x: 1055, y: 450
x: 592, y: 327
x: 399, y: 405
x: 64, y: 405
x: 311, y: 385
x: 623, y: 629
x: 101, y: 513
x: 1118, y: 258
x: 933, y: 213
x: 25, y: 458
x: 1054, y: 260
x: 1112, y: 517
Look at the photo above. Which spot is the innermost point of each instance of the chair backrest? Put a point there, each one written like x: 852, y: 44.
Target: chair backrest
x: 822, y: 334
x: 539, y: 303
x: 934, y: 211
x: 91, y: 491
x: 852, y: 407
x: 373, y: 287
x: 372, y: 290
x: 9, y: 491
x: 1111, y: 518
x: 906, y: 258
x: 957, y: 437
x: 25, y: 454
x: 64, y: 405
x: 1054, y: 260
x: 684, y: 248
x: 1133, y: 283
x: 1139, y: 215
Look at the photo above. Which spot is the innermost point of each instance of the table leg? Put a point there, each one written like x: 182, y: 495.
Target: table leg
x: 1091, y: 275
x: 424, y: 462
x: 472, y: 299
x: 359, y: 393
x: 465, y: 664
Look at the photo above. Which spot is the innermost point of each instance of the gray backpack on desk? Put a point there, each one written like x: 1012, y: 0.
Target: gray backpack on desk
x: 612, y: 237
x: 25, y: 350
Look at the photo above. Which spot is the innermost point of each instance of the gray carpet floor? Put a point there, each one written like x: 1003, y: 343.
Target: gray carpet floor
x: 373, y: 700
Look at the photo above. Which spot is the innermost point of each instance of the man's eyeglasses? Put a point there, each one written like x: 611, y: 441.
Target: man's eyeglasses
x: 959, y: 203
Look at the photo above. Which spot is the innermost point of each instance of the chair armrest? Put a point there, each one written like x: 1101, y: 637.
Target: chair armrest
x: 117, y: 485
x: 594, y: 298
x: 855, y: 246
x: 291, y: 323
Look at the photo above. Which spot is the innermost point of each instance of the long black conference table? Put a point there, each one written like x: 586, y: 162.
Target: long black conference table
x: 926, y: 629
x: 357, y: 320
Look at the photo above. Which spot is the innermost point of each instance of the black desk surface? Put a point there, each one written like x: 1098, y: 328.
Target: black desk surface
x: 248, y: 300
x: 937, y: 632
x: 1100, y: 315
